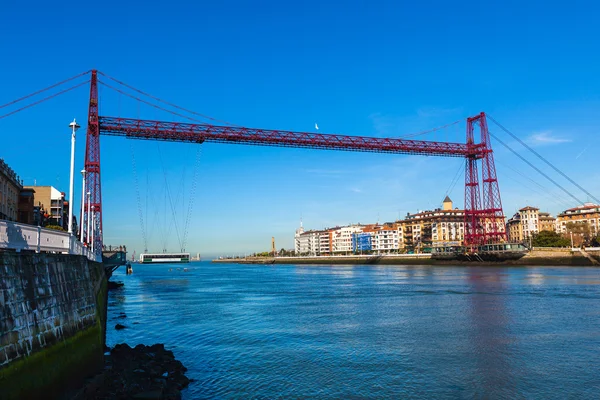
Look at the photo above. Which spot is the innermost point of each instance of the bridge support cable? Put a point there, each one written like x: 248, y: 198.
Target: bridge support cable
x: 161, y: 100
x: 540, y: 189
x: 456, y: 178
x: 191, y: 199
x: 46, y: 89
x: 536, y: 168
x: 168, y: 192
x: 545, y: 161
x: 139, y: 202
x: 35, y: 103
x: 149, y: 103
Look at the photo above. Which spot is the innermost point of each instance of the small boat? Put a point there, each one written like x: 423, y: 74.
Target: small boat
x: 486, y: 252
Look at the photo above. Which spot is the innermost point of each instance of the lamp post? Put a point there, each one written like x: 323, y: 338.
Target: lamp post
x: 93, y: 228
x: 74, y: 126
x: 87, y: 232
x: 83, y: 172
x: 571, y: 239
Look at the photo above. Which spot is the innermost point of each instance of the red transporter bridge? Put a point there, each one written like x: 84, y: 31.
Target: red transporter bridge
x: 484, y: 219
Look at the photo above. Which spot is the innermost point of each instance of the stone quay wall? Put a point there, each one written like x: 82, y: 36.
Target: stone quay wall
x: 52, y: 323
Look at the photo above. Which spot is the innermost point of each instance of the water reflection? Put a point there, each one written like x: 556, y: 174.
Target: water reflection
x: 490, y: 335
x: 369, y: 331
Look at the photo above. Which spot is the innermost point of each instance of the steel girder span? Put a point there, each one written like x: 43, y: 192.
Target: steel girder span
x: 200, y: 133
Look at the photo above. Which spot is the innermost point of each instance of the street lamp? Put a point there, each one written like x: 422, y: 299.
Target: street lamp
x: 93, y: 227
x: 74, y: 126
x: 87, y: 232
x: 83, y: 172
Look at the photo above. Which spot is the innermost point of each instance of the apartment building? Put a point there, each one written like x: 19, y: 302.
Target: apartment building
x: 26, y: 206
x: 440, y: 227
x: 341, y: 238
x: 527, y: 222
x: 386, y: 238
x: 10, y: 188
x: 547, y: 222
x: 52, y: 201
x: 514, y: 228
x: 324, y: 242
x: 588, y: 213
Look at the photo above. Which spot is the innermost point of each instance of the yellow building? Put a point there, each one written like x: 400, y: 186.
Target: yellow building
x: 547, y: 222
x: 587, y: 213
x: 527, y: 222
x: 10, y: 187
x: 514, y: 229
x: 439, y: 227
x: 52, y: 201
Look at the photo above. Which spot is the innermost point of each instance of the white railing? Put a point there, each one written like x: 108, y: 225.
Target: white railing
x: 16, y: 236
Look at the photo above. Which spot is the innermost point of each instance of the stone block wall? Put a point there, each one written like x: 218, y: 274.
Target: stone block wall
x: 52, y: 314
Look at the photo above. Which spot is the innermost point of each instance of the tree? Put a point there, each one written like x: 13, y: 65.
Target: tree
x: 549, y: 239
x: 581, y: 232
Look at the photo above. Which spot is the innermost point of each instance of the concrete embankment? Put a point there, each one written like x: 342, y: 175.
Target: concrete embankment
x: 52, y: 323
x: 537, y: 257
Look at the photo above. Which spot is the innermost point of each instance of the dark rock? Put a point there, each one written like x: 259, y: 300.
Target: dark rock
x: 151, y: 395
x: 119, y: 327
x: 142, y: 372
x: 114, y: 285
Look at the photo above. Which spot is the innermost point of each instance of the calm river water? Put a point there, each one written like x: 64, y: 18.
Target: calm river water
x: 382, y: 332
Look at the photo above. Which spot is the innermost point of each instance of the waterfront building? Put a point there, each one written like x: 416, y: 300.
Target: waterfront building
x: 362, y: 241
x: 547, y: 222
x: 341, y: 238
x: 26, y: 206
x: 418, y: 232
x: 386, y: 238
x: 440, y: 227
x: 53, y: 201
x: 514, y: 229
x: 587, y: 214
x: 10, y: 188
x: 527, y: 222
x: 324, y: 242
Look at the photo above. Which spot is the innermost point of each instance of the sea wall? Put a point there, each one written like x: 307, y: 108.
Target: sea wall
x: 52, y: 323
x: 537, y: 257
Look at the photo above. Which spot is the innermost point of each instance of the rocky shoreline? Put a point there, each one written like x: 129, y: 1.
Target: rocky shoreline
x: 141, y: 372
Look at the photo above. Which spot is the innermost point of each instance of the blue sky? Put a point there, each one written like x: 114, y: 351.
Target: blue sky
x: 357, y: 68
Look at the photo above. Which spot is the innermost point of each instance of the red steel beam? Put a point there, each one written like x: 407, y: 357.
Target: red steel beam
x: 200, y: 133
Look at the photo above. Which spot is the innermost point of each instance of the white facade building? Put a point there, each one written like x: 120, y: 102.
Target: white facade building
x: 341, y: 238
x: 385, y: 239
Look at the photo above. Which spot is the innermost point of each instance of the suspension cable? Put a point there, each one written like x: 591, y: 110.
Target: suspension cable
x: 429, y: 130
x: 44, y: 99
x: 150, y: 104
x: 544, y: 160
x: 191, y: 200
x: 43, y: 90
x: 559, y: 200
x: 536, y: 168
x: 174, y: 214
x: 455, y: 179
x: 544, y: 190
x: 164, y: 101
x: 137, y: 193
